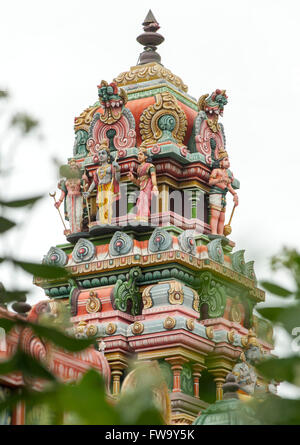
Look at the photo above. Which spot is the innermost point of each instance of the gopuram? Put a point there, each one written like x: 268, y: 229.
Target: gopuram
x: 148, y: 196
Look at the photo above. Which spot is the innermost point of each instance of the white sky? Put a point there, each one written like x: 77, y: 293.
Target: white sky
x: 54, y: 54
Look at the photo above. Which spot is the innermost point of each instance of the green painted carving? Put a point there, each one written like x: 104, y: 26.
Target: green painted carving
x: 167, y: 124
x: 126, y: 294
x: 186, y: 379
x: 81, y: 136
x: 215, y: 251
x: 167, y: 373
x: 238, y: 261
x: 249, y: 271
x: 213, y: 293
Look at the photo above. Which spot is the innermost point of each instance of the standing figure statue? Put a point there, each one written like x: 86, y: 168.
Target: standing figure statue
x: 220, y: 183
x: 106, y: 178
x: 146, y: 181
x: 71, y: 193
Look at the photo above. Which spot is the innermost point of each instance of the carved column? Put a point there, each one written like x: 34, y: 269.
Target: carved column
x: 196, y: 376
x: 219, y: 367
x: 164, y: 200
x: 176, y: 367
x: 117, y: 363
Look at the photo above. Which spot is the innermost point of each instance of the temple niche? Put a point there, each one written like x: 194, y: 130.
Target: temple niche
x: 156, y: 273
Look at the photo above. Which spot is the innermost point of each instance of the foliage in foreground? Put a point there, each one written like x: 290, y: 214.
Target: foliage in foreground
x: 85, y: 402
x: 276, y: 410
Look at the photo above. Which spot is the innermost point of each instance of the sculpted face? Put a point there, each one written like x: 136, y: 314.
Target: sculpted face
x: 253, y: 354
x: 103, y: 156
x: 141, y: 157
x: 225, y: 163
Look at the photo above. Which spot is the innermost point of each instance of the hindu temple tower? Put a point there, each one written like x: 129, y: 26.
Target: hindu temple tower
x: 149, y: 278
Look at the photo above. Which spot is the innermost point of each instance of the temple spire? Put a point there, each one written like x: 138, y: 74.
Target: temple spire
x: 150, y: 39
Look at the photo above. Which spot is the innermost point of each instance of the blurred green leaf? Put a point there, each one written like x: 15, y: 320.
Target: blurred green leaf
x: 288, y: 316
x: 21, y: 202
x: 87, y: 400
x: 32, y: 368
x: 281, y: 369
x: 4, y: 94
x: 59, y: 339
x: 142, y: 408
x: 9, y: 366
x: 5, y: 224
x: 24, y: 122
x: 65, y: 171
x: 41, y: 270
x: 27, y: 365
x: 13, y: 295
x: 275, y: 289
x: 7, y: 324
x: 275, y: 410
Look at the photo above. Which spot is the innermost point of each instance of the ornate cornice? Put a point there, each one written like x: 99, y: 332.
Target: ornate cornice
x: 142, y: 73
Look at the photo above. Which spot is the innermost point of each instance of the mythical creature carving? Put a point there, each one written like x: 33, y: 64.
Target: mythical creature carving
x: 115, y: 124
x: 164, y: 120
x: 209, y: 133
x: 112, y: 100
x: 126, y: 295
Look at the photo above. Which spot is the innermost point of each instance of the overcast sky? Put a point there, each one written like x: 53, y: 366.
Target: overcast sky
x: 54, y: 54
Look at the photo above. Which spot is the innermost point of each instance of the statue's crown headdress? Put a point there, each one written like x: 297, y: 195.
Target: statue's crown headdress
x: 222, y: 154
x: 104, y: 145
x: 252, y: 340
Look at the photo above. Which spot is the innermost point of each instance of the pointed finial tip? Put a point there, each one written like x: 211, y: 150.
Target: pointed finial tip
x: 149, y: 18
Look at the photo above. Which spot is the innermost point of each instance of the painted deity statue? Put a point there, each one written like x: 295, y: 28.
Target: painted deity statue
x: 71, y: 194
x: 244, y: 371
x: 106, y: 178
x: 146, y: 181
x: 220, y: 182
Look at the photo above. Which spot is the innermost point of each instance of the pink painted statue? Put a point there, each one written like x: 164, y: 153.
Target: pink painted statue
x: 220, y: 183
x: 71, y: 193
x: 146, y: 181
